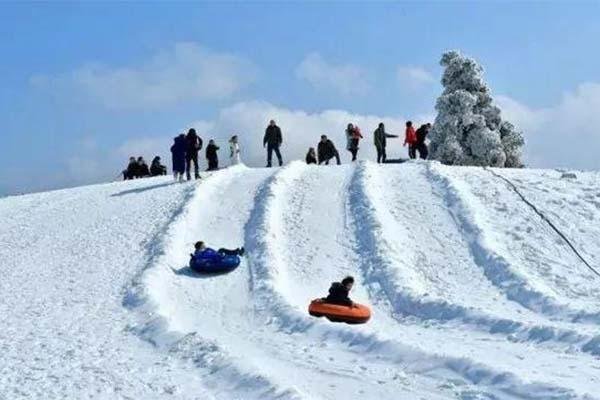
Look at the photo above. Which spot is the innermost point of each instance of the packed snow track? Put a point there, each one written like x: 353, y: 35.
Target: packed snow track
x: 473, y: 294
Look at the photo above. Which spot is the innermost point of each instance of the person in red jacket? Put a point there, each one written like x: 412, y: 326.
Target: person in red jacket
x: 411, y: 140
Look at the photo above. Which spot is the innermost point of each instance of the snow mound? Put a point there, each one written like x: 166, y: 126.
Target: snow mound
x: 482, y: 285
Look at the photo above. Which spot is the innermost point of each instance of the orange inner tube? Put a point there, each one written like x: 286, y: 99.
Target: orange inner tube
x: 358, y: 314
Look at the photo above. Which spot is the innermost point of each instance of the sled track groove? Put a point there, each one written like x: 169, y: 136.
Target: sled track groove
x: 496, y: 267
x: 216, y: 366
x: 543, y: 216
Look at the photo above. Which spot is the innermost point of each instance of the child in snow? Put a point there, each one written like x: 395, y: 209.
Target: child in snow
x: 234, y: 148
x: 338, y: 292
x: 311, y: 156
x: 201, y: 251
x: 353, y: 136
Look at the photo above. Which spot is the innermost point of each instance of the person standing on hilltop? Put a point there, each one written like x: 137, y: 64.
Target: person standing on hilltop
x: 380, y: 139
x: 353, y: 136
x: 273, y: 140
x: 421, y: 135
x: 234, y: 151
x: 194, y: 144
x: 178, y: 156
x: 211, y: 155
x: 410, y: 139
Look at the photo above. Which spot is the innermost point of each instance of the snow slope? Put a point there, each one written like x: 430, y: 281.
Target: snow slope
x: 474, y: 295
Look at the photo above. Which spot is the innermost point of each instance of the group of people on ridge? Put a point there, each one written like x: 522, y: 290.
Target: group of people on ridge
x: 137, y: 168
x: 186, y: 147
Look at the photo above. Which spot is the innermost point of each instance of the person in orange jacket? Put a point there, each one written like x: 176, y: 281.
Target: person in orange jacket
x: 411, y: 140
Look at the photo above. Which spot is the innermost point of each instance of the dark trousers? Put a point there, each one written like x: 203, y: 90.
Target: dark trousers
x: 189, y: 158
x: 228, y: 252
x: 423, y: 152
x: 353, y: 148
x: 412, y: 151
x: 381, y: 156
x: 213, y: 164
x: 270, y: 149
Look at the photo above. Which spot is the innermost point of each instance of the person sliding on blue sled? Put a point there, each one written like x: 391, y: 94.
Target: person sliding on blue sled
x: 206, y: 259
x: 338, y: 292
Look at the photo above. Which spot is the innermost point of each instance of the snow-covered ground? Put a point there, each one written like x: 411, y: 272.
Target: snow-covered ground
x: 474, y: 295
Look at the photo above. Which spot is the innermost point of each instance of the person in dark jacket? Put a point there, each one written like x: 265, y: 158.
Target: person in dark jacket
x: 178, y: 154
x: 380, y: 137
x: 326, y: 151
x: 194, y: 144
x: 339, y: 291
x: 200, y: 250
x: 273, y: 140
x: 421, y: 136
x: 142, y: 170
x: 156, y: 168
x: 311, y: 157
x: 131, y: 171
x: 211, y: 155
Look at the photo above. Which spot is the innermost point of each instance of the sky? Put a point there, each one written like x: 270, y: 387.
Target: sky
x: 85, y: 85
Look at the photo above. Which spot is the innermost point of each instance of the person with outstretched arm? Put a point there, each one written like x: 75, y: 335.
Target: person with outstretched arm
x: 326, y: 151
x: 273, y: 139
x: 380, y: 137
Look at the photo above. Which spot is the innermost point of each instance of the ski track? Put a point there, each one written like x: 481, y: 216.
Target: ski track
x: 432, y: 284
x: 527, y: 259
x: 463, y: 306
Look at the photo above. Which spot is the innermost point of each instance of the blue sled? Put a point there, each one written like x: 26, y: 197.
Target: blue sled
x: 215, y: 265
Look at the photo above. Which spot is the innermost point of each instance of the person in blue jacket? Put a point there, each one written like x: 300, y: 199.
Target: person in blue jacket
x: 206, y: 252
x: 178, y: 151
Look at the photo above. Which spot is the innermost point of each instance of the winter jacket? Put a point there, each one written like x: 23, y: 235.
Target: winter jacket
x: 132, y: 170
x: 156, y: 168
x: 178, y: 151
x: 379, y: 137
x: 353, y: 136
x: 338, y: 294
x: 143, y: 170
x: 326, y: 150
x: 310, y: 158
x: 194, y: 143
x: 211, y: 152
x: 422, y: 134
x: 410, y: 136
x: 273, y: 136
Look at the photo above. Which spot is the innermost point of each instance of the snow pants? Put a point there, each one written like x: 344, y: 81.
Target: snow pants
x: 189, y: 158
x: 213, y: 164
x: 412, y: 151
x: 273, y: 148
x: 423, y: 152
x: 228, y: 252
x: 353, y: 148
x: 381, y: 156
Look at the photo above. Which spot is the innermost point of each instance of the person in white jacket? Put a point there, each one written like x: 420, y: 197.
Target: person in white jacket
x: 234, y: 148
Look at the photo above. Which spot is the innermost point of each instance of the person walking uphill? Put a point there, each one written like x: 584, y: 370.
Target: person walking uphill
x: 326, y: 151
x: 178, y: 155
x: 353, y: 136
x: 194, y: 144
x: 211, y: 155
x: 410, y: 139
x: 380, y: 138
x: 273, y: 140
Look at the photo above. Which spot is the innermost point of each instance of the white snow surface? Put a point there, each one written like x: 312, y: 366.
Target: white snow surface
x: 473, y: 294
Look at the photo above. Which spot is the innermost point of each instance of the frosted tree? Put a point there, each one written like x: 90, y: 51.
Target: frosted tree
x: 468, y: 129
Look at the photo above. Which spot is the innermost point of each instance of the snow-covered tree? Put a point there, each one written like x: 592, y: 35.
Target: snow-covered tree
x: 468, y: 129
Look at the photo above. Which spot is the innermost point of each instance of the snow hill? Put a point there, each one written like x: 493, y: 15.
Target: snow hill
x: 474, y: 294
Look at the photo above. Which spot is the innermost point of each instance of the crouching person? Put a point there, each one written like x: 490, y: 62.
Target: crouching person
x: 156, y: 168
x: 326, y: 151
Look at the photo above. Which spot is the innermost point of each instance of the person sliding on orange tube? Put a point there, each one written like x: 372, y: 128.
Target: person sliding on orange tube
x: 338, y: 292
